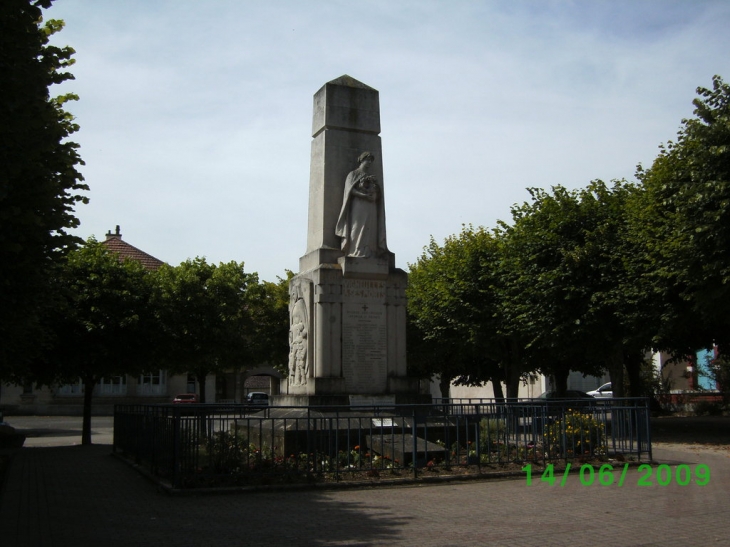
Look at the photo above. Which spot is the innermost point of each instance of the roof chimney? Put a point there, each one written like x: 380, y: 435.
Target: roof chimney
x: 117, y: 235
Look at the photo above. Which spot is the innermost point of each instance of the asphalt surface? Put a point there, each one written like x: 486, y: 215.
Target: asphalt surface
x: 61, y: 430
x: 58, y: 494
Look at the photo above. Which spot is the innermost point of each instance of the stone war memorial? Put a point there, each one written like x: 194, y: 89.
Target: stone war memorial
x: 348, y: 409
x: 347, y: 311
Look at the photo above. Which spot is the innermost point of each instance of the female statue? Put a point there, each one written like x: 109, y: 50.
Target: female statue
x: 361, y: 224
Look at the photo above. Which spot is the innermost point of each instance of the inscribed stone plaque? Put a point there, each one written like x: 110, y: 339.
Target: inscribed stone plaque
x: 364, y: 336
x: 381, y: 401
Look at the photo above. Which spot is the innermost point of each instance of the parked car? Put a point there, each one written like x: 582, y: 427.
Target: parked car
x: 257, y: 399
x: 572, y: 399
x: 569, y: 394
x: 557, y: 406
x: 603, y: 391
x: 186, y: 398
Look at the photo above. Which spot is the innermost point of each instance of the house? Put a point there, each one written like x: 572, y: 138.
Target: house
x: 683, y: 382
x: 155, y: 386
x: 530, y: 388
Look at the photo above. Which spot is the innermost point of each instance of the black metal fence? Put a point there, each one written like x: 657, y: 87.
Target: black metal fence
x: 215, y: 445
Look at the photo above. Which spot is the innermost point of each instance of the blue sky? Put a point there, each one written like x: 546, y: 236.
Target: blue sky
x: 196, y: 116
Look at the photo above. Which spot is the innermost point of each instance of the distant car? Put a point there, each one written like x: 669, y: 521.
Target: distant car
x: 186, y: 398
x: 569, y: 394
x: 257, y: 399
x: 603, y: 391
x: 572, y: 399
x: 556, y: 406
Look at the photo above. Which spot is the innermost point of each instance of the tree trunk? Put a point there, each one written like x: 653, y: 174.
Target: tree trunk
x: 497, y: 389
x: 633, y: 371
x: 445, y: 386
x: 513, y: 370
x: 615, y: 366
x: 89, y: 384
x: 512, y: 375
x: 201, y: 383
x: 560, y: 379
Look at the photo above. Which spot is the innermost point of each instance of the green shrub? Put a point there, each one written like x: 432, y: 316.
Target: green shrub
x: 708, y: 408
x: 491, y: 431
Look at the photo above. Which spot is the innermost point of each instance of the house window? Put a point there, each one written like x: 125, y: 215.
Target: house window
x: 152, y: 384
x: 71, y: 390
x: 114, y: 385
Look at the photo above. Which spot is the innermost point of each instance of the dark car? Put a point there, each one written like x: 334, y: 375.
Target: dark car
x: 556, y: 406
x: 569, y: 394
x: 257, y: 400
x: 572, y: 399
x: 186, y: 398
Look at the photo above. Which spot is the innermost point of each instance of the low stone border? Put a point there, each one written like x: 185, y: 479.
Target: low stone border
x: 425, y: 478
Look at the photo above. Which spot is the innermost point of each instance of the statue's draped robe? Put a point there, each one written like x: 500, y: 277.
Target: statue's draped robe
x: 361, y: 224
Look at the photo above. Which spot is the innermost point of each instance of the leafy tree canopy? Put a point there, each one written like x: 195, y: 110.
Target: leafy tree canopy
x: 102, y: 323
x: 456, y: 328
x: 685, y: 219
x: 208, y: 315
x: 569, y: 284
x: 39, y: 181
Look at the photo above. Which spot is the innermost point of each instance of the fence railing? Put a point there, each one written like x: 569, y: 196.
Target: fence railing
x: 216, y: 445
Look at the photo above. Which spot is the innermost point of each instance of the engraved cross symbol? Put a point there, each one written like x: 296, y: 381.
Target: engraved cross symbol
x: 365, y: 308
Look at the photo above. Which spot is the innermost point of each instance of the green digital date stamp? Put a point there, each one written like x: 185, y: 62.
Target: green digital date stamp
x: 661, y: 475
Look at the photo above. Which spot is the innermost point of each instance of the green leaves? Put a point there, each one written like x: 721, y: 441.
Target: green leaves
x: 685, y: 220
x: 546, y: 293
x: 568, y: 278
x: 456, y: 327
x: 218, y: 317
x: 39, y: 181
x: 589, y: 279
x: 102, y: 320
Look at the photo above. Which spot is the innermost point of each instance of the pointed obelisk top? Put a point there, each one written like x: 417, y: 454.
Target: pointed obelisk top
x: 348, y: 104
x: 345, y: 123
x: 349, y: 81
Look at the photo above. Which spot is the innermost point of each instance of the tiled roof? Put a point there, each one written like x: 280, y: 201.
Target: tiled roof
x: 257, y: 382
x: 125, y: 250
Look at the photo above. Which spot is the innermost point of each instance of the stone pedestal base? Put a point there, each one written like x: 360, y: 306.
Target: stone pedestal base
x: 339, y: 401
x: 348, y: 334
x: 365, y: 268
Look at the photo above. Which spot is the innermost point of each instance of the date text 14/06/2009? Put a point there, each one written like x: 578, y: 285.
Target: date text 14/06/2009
x: 588, y: 474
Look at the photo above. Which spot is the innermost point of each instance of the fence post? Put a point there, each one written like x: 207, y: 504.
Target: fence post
x: 478, y: 439
x: 309, y: 439
x: 175, y: 446
x: 646, y: 427
x: 114, y: 432
x: 414, y: 432
x: 647, y: 411
x: 337, y: 445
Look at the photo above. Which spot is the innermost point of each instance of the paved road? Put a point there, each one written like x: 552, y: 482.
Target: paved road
x: 81, y: 496
x: 61, y: 430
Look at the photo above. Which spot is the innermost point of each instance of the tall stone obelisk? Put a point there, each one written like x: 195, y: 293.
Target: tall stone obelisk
x: 347, y: 307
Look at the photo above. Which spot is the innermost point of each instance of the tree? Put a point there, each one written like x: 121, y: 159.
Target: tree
x: 684, y: 218
x: 570, y: 289
x: 207, y: 316
x: 456, y: 326
x: 102, y: 323
x: 39, y: 181
x: 270, y: 311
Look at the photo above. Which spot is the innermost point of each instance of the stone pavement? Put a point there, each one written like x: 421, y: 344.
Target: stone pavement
x: 78, y: 496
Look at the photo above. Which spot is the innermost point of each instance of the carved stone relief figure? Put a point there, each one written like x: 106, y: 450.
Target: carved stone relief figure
x: 361, y: 223
x: 298, y: 331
